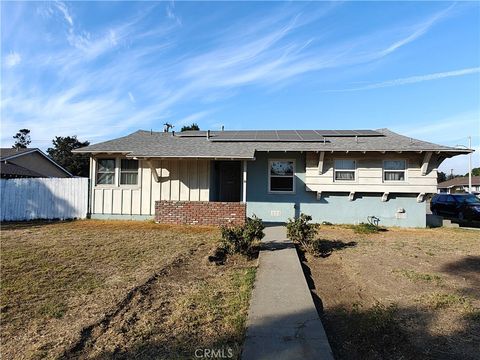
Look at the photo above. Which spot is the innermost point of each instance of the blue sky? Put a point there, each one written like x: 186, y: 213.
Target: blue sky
x: 101, y: 70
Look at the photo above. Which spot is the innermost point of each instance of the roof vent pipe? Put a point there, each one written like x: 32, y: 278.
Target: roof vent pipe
x: 208, y: 134
x: 173, y: 133
x: 223, y: 128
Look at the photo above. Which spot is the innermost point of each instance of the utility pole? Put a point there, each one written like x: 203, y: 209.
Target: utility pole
x: 470, y: 165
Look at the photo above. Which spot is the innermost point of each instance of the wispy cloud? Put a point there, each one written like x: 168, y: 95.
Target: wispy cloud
x: 90, y: 73
x: 64, y: 10
x: 170, y: 10
x: 193, y: 118
x: 419, y: 30
x: 462, y: 125
x: 414, y: 79
x: 12, y: 59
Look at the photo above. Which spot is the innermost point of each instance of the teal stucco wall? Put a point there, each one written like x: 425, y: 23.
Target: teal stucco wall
x: 332, y: 207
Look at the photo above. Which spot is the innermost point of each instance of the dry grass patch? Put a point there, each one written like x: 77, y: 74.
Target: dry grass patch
x: 87, y: 288
x: 420, y: 288
x: 416, y: 276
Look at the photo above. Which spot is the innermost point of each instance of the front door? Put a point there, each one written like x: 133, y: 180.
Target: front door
x: 229, y: 181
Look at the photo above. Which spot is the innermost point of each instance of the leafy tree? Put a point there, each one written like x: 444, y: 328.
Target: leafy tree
x: 475, y: 172
x: 194, y: 126
x: 76, y: 164
x: 453, y: 176
x: 22, y: 139
x: 441, y: 176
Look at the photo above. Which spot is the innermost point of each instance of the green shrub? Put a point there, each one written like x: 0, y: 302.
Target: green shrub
x: 240, y: 238
x: 364, y: 228
x: 253, y: 228
x: 301, y: 231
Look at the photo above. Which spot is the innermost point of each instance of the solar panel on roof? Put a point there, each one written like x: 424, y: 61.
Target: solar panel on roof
x: 325, y: 132
x: 369, y: 133
x: 267, y: 135
x: 288, y: 135
x: 191, y: 134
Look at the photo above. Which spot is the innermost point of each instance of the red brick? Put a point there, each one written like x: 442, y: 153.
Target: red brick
x: 200, y: 212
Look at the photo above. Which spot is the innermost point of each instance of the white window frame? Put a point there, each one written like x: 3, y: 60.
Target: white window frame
x: 294, y: 175
x: 116, y: 181
x: 404, y: 171
x: 355, y: 175
x: 129, y: 172
x: 114, y: 172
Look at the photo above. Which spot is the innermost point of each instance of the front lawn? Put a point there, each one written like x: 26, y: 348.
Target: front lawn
x: 401, y: 293
x: 97, y: 289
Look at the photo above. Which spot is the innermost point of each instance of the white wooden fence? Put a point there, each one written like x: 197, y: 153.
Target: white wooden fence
x: 43, y: 198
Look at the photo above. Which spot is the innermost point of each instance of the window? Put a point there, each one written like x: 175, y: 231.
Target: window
x: 442, y: 198
x: 394, y: 170
x: 344, y: 170
x: 281, y: 175
x: 128, y: 172
x: 106, y: 171
x: 451, y: 200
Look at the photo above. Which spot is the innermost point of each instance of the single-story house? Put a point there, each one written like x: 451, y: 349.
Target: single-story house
x: 459, y: 184
x: 29, y: 163
x: 213, y: 177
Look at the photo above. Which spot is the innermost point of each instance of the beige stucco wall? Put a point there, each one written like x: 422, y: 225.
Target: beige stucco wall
x: 36, y: 162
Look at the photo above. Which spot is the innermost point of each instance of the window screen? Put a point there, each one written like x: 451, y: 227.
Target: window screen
x: 106, y: 171
x: 394, y: 170
x: 344, y: 170
x: 129, y: 172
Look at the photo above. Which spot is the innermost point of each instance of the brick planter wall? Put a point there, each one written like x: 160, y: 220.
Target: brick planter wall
x: 200, y: 212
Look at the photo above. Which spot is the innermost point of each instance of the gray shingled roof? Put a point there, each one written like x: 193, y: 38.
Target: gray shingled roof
x: 459, y: 181
x: 8, y: 152
x: 8, y: 170
x: 195, y: 144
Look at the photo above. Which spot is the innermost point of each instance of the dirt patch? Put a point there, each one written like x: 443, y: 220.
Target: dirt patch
x: 403, y: 293
x: 145, y: 282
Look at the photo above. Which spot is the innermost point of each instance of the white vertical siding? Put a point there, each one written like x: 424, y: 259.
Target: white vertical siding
x: 146, y: 187
x: 156, y: 186
x: 49, y: 198
x: 184, y: 181
x: 187, y: 180
x: 204, y: 179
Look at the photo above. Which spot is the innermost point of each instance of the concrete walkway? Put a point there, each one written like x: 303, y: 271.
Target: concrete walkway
x: 282, y: 321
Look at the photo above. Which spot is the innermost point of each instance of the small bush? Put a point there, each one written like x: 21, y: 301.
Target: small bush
x: 301, y: 231
x: 240, y: 238
x: 323, y: 248
x: 253, y: 228
x: 364, y: 228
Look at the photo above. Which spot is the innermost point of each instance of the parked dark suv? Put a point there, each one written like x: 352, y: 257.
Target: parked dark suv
x: 460, y: 206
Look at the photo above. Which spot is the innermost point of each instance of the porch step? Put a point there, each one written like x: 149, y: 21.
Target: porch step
x: 448, y: 223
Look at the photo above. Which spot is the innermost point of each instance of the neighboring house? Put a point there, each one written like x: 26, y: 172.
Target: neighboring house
x: 459, y: 184
x: 30, y: 162
x: 213, y: 177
